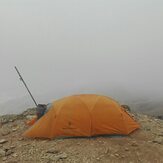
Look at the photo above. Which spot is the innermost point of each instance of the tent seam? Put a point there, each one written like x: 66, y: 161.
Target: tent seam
x: 89, y: 114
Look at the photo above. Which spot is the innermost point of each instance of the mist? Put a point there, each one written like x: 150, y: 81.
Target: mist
x: 61, y: 47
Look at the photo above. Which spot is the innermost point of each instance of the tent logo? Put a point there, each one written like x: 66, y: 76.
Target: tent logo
x: 69, y: 123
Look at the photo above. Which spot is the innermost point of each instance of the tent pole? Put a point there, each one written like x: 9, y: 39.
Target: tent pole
x: 26, y: 86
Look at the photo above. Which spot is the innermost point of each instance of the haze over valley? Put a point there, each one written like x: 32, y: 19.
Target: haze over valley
x: 111, y: 48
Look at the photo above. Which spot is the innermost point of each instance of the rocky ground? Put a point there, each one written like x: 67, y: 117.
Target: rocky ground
x: 144, y: 145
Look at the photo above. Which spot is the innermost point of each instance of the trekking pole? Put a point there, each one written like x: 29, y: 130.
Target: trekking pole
x: 26, y: 86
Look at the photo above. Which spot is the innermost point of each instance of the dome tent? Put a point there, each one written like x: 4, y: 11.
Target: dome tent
x: 83, y: 115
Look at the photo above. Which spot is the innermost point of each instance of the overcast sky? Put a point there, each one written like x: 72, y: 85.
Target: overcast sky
x: 72, y: 46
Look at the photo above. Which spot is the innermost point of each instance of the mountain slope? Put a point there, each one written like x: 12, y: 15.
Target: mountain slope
x: 144, y: 145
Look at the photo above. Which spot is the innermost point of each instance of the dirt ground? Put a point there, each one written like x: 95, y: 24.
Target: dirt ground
x: 143, y: 146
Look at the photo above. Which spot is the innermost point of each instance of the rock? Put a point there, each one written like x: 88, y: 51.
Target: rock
x: 5, y: 132
x: 4, y: 158
x: 56, y: 157
x: 9, y: 152
x: 30, y: 111
x: 116, y: 154
x: 126, y: 149
x: 122, y: 156
x: 8, y: 118
x: 149, y: 141
x: 160, y: 134
x: 2, y: 153
x: 6, y: 148
x: 14, y: 129
x: 126, y: 107
x: 30, y: 116
x: 158, y: 140
x: 53, y: 157
x: 134, y: 144
x: 52, y: 151
x: 107, y: 151
x: 62, y: 156
x: 20, y: 139
x: 0, y: 124
x: 2, y: 141
x: 111, y: 155
x: 160, y: 117
x: 14, y: 155
x: 12, y: 146
x: 147, y: 128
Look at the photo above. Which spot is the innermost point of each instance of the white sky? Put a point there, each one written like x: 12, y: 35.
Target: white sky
x: 70, y: 46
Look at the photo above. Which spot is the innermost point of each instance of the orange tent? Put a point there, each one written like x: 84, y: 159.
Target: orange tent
x: 83, y: 115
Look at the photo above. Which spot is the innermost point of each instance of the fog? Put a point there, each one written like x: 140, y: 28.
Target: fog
x: 62, y: 47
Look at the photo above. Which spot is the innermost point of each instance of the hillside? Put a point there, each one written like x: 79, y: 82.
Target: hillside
x: 144, y: 145
x: 150, y: 107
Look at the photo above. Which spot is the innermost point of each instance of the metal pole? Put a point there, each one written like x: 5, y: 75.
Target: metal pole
x: 25, y: 85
